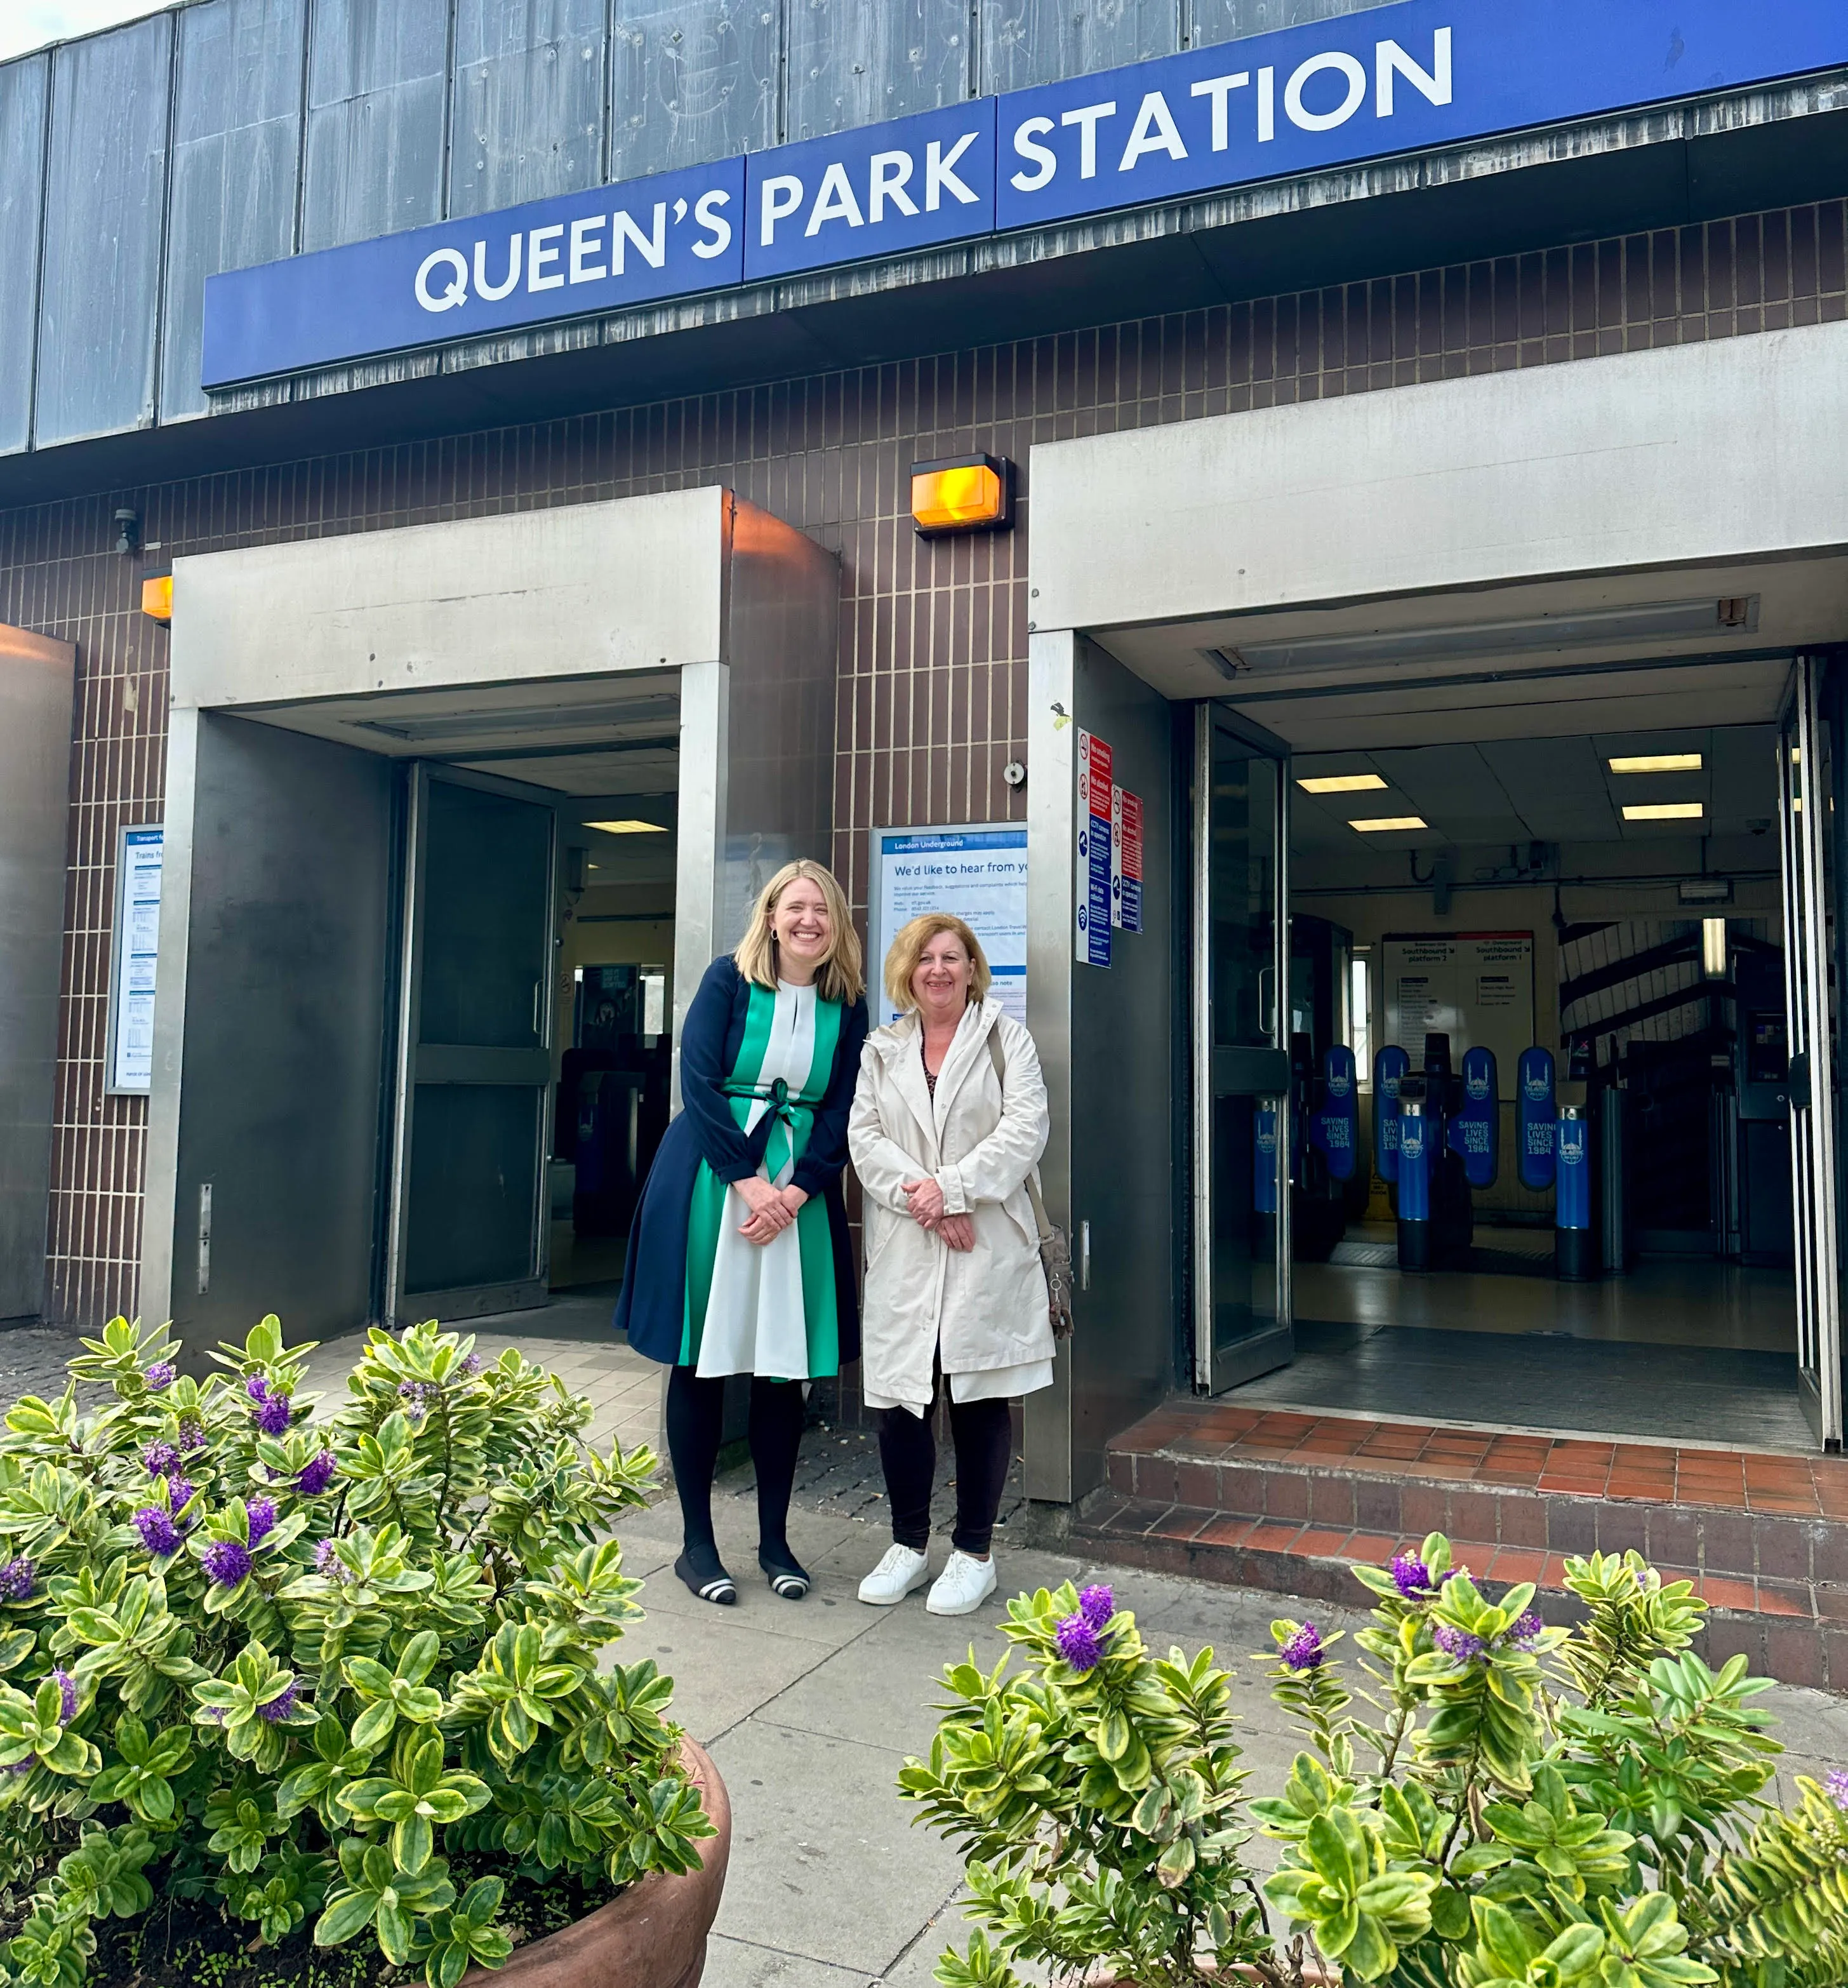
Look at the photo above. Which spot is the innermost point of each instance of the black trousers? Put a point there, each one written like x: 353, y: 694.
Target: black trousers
x: 983, y: 1432
x: 696, y: 1415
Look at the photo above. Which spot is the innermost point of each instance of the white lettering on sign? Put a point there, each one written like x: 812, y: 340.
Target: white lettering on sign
x: 1339, y: 63
x: 706, y: 212
x: 1219, y: 88
x: 1154, y: 131
x: 834, y: 201
x: 541, y: 252
x: 457, y: 291
x: 1046, y: 160
x: 482, y: 287
x: 940, y: 175
x: 583, y: 248
x: 1087, y: 117
x: 1389, y: 60
x: 783, y: 196
x: 891, y: 173
x: 653, y: 249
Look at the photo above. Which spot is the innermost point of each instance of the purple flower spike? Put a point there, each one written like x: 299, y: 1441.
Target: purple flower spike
x: 159, y: 1534
x: 272, y: 1415
x: 226, y: 1562
x: 1835, y: 1786
x: 16, y: 1579
x: 1411, y: 1577
x: 257, y: 1387
x: 159, y: 1458
x: 327, y: 1557
x: 1304, y: 1650
x: 1096, y: 1605
x: 24, y: 1766
x: 67, y: 1694
x: 262, y: 1513
x: 1078, y: 1643
x: 192, y: 1434
x: 1458, y: 1643
x: 317, y: 1474
x: 278, y: 1708
x: 160, y: 1376
x: 178, y: 1492
x: 1526, y: 1631
x: 471, y: 1365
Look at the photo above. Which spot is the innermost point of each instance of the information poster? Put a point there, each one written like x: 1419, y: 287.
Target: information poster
x: 1127, y: 869
x: 135, y: 944
x: 977, y: 871
x: 1091, y: 935
x: 1477, y: 988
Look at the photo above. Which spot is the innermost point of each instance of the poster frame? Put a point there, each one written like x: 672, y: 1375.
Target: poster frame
x: 117, y: 955
x: 877, y: 938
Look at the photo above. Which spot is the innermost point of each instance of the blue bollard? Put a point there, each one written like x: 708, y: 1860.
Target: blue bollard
x: 1572, y: 1252
x: 1537, y: 1114
x: 1417, y: 1136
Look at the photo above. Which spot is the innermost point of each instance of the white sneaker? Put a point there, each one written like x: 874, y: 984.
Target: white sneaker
x: 964, y: 1584
x: 896, y: 1576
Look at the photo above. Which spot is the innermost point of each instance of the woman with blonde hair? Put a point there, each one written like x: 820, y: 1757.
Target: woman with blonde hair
x: 949, y: 1120
x: 739, y: 1261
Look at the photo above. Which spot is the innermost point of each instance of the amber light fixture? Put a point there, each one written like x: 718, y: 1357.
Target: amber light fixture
x: 963, y: 493
x: 157, y: 598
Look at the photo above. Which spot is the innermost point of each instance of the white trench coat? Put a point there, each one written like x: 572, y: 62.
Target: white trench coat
x: 984, y: 1308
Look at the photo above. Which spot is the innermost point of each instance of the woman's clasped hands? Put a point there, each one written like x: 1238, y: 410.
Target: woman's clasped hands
x: 925, y: 1200
x: 772, y: 1208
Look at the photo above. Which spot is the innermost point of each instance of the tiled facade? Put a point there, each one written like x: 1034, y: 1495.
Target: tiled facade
x: 933, y: 640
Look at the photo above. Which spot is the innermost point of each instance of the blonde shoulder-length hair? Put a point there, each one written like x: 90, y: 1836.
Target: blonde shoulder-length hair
x: 841, y: 974
x: 907, y: 949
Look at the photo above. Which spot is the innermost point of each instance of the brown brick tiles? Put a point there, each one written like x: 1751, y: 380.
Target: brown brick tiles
x: 931, y: 656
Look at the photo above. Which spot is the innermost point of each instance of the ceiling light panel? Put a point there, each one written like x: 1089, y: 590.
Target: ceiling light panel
x: 532, y: 722
x: 629, y: 827
x: 1383, y: 824
x: 1342, y: 783
x: 1665, y: 811
x: 1656, y: 762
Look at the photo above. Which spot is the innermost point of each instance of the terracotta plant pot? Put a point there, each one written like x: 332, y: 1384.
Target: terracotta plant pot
x: 654, y: 1935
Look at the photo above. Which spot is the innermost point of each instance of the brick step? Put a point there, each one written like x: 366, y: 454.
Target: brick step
x: 1796, y: 1631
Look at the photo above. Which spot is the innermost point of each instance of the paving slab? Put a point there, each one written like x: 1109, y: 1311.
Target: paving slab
x: 736, y: 1963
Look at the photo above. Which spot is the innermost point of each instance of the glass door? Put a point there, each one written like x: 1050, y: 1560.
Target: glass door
x: 469, y: 1231
x: 1242, y: 1131
x: 1804, y: 791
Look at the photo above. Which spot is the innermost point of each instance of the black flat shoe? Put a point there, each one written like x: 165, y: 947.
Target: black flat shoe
x: 788, y: 1578
x: 708, y: 1582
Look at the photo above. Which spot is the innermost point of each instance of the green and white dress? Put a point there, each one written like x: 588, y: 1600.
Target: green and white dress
x: 768, y: 1308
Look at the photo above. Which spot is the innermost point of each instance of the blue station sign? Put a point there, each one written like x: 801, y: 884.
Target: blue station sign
x: 1401, y: 78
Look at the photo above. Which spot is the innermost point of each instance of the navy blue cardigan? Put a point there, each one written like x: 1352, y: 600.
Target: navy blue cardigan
x: 651, y: 1309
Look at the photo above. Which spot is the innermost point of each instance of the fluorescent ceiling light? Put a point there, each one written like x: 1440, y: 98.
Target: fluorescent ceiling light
x: 1656, y: 762
x: 628, y: 828
x: 527, y: 721
x: 1666, y: 811
x: 1413, y: 648
x: 1341, y: 783
x: 1379, y: 824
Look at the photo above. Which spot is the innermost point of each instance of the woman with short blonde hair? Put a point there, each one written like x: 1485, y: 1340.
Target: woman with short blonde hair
x: 949, y: 1120
x: 739, y: 1262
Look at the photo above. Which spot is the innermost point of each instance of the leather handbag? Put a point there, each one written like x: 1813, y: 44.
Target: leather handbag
x: 1055, y: 1252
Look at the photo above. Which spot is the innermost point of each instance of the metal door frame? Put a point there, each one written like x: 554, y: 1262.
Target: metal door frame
x: 1266, y: 745
x: 1806, y: 965
x: 469, y: 1301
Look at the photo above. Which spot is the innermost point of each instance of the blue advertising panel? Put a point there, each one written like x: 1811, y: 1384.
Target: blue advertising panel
x: 1415, y: 1156
x: 1390, y: 79
x: 1534, y: 1110
x: 598, y: 251
x: 1572, y: 1205
x: 1337, y: 1125
x: 1475, y: 1132
x: 880, y: 191
x: 1389, y: 1069
x: 1263, y: 1159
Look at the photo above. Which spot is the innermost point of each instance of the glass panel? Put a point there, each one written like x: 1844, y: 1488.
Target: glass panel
x: 236, y: 138
x: 473, y: 1185
x: 23, y: 93
x: 1227, y: 20
x: 1243, y: 958
x: 376, y: 94
x: 691, y: 82
x: 102, y: 233
x: 851, y: 64
x: 528, y: 117
x: 1026, y: 41
x: 487, y: 919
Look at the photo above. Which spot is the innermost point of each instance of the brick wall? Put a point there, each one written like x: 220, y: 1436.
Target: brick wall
x: 933, y: 639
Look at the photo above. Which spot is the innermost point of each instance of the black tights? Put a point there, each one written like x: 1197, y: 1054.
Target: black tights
x: 983, y: 1432
x: 696, y: 1415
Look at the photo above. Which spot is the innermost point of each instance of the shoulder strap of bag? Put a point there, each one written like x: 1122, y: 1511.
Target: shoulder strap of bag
x: 1001, y: 1071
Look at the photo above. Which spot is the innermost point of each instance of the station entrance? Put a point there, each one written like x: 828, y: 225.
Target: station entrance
x: 1514, y: 1126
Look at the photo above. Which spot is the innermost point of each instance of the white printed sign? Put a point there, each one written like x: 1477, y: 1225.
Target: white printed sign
x: 135, y: 945
x: 978, y: 872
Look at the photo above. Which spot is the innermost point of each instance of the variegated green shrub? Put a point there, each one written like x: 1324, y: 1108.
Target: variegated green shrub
x: 1522, y: 1806
x: 301, y: 1664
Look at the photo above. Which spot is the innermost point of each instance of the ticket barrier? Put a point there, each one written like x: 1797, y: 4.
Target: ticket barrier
x: 1327, y: 1124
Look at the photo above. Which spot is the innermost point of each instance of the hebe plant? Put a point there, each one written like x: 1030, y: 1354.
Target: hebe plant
x: 1527, y: 1806
x: 300, y: 1666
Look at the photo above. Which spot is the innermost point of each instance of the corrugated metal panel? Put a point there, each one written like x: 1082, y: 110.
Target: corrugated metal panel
x: 377, y: 93
x: 237, y: 140
x: 108, y: 181
x: 23, y: 88
x: 1228, y: 20
x: 851, y: 64
x: 1027, y: 41
x: 693, y: 81
x: 528, y: 110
